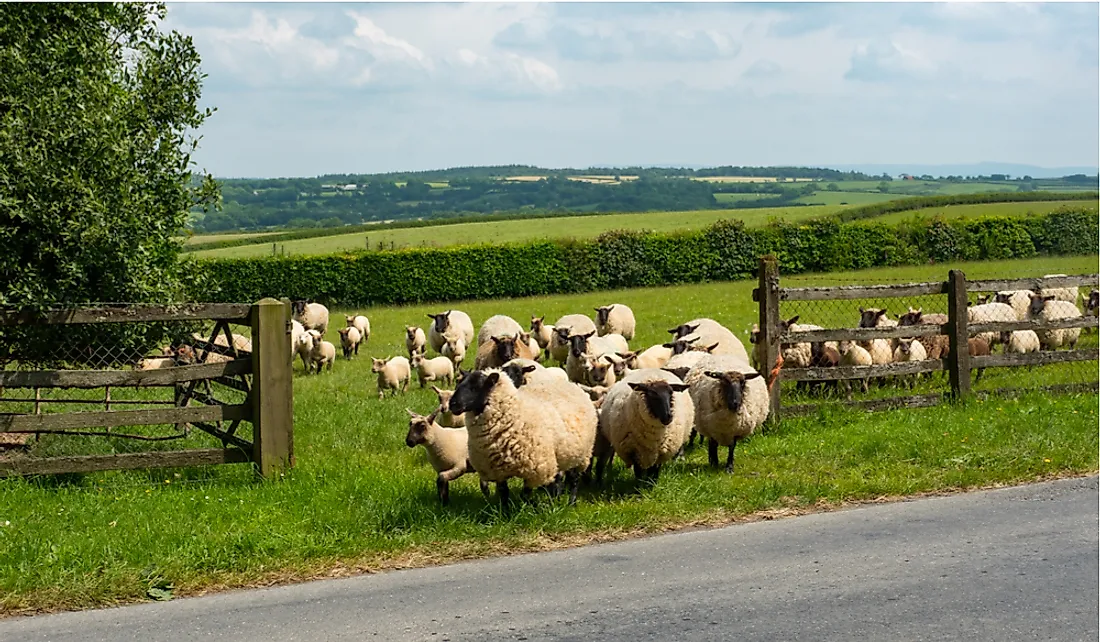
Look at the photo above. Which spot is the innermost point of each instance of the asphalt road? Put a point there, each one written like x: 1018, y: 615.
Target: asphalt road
x: 1004, y: 565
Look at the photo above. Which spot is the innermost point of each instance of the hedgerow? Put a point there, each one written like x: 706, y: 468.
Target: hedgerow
x: 924, y: 202
x: 619, y: 259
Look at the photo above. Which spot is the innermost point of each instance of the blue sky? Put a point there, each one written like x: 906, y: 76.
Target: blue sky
x: 310, y: 88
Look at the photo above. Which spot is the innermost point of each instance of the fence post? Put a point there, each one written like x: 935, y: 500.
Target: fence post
x: 958, y: 359
x: 768, y: 337
x: 272, y: 388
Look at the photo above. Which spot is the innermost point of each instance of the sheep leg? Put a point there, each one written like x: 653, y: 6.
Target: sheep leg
x: 691, y: 439
x: 573, y: 478
x: 712, y: 452
x: 484, y: 487
x: 653, y: 473
x: 729, y: 456
x: 502, y: 493
x: 442, y: 486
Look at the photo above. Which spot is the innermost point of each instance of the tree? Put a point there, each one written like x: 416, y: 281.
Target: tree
x: 98, y: 110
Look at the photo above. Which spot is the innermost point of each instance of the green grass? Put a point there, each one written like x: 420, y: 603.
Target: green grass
x: 985, y: 209
x: 847, y: 198
x: 207, y: 238
x: 360, y: 499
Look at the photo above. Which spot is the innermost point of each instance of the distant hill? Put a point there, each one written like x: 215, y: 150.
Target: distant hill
x: 984, y: 168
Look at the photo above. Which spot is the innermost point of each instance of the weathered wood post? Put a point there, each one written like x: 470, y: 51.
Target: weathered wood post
x: 272, y: 388
x: 958, y: 360
x: 769, y: 328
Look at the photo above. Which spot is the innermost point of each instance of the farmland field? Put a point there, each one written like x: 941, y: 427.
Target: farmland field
x: 846, y: 198
x: 207, y: 238
x: 990, y: 209
x: 360, y: 500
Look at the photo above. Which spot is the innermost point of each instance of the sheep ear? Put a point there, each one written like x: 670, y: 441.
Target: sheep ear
x: 637, y: 387
x: 674, y: 330
x: 793, y: 320
x: 678, y: 387
x: 411, y: 413
x: 752, y: 375
x: 627, y: 355
x: 431, y: 417
x: 881, y: 313
x: 492, y: 380
x: 713, y: 375
x: 530, y: 368
x: 711, y: 348
x: 597, y: 309
x: 1049, y: 297
x: 437, y: 390
x: 430, y: 316
x: 586, y: 336
x: 861, y: 310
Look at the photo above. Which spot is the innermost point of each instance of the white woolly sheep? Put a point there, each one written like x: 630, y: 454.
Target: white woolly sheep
x: 542, y: 333
x: 852, y: 354
x: 305, y: 348
x: 1047, y: 308
x: 565, y: 327
x: 682, y: 362
x: 498, y: 325
x: 445, y: 417
x: 498, y: 351
x: 524, y: 371
x: 1018, y: 300
x: 360, y: 323
x: 312, y: 316
x: 1020, y: 341
x: 455, y: 321
x: 876, y: 318
x: 910, y: 350
x: 731, y: 401
x: 1060, y: 294
x: 990, y: 313
x: 795, y: 355
x: 446, y: 450
x: 439, y: 369
x: 574, y: 426
x: 509, y: 433
x: 414, y: 339
x: 393, y: 374
x: 350, y: 338
x: 936, y: 346
x: 615, y: 319
x: 454, y: 349
x: 709, y: 332
x: 323, y: 352
x: 296, y: 346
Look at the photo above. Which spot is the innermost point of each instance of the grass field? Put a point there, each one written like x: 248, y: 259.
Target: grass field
x: 359, y: 499
x: 847, y: 198
x: 206, y: 238
x: 990, y: 209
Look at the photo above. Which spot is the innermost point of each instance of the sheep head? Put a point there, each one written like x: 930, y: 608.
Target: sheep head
x: 419, y: 428
x: 683, y: 330
x: 472, y: 393
x: 733, y: 386
x: 441, y: 320
x: 658, y: 397
x: 602, y: 313
x: 869, y: 318
x: 518, y: 372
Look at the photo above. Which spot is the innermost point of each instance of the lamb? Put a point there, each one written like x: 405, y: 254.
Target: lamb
x: 978, y: 347
x: 910, y: 350
x: 312, y: 316
x: 1018, y: 300
x: 852, y: 354
x: 824, y: 356
x: 437, y: 369
x: 681, y: 363
x: 498, y: 325
x: 583, y: 346
x: 615, y: 319
x: 1060, y: 294
x: 360, y: 323
x: 446, y: 450
x: 990, y: 313
x: 532, y: 344
x: 454, y: 349
x: 457, y: 321
x: 598, y: 371
x: 323, y: 352
x: 795, y: 355
x: 645, y: 419
x: 566, y: 326
x: 542, y: 333
x: 414, y: 339
x: 730, y: 400
x: 350, y: 340
x: 156, y: 363
x: 1047, y: 308
x: 524, y: 371
x: 657, y: 356
x: 574, y: 427
x: 936, y: 346
x: 305, y: 348
x: 1020, y: 341
x: 393, y: 373
x: 710, y: 331
x: 500, y: 350
x: 509, y: 432
x: 297, y: 348
x: 876, y: 318
x: 445, y: 417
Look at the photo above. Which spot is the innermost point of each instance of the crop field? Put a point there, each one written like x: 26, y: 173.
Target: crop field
x: 360, y: 500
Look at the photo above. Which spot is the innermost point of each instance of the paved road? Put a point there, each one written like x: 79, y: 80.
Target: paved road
x: 1005, y: 565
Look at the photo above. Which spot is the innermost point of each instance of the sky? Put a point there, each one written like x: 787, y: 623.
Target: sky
x: 304, y: 89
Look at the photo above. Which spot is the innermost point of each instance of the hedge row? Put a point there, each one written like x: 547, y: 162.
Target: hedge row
x: 724, y: 251
x: 924, y: 202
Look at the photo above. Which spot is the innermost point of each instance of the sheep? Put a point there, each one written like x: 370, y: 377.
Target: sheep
x: 1060, y: 294
x: 414, y: 339
x: 542, y: 333
x: 532, y: 344
x: 360, y: 323
x: 323, y: 352
x: 645, y: 419
x: 437, y: 369
x: 910, y: 350
x: 1047, y: 308
x: 990, y: 313
x: 1020, y: 341
x: 454, y: 348
x: 1092, y: 306
x: 566, y: 326
x: 524, y: 371
x: 393, y: 373
x: 823, y: 355
x: 978, y: 347
x: 446, y: 450
x: 350, y: 338
x: 498, y: 325
x: 681, y: 363
x: 599, y: 371
x: 305, y: 348
x: 615, y: 319
x: 455, y: 320
x: 574, y: 427
x: 710, y: 331
x: 297, y: 348
x: 656, y: 356
x: 156, y: 363
x: 445, y: 417
x: 509, y: 432
x: 1018, y: 300
x: 936, y: 346
x: 583, y: 346
x: 795, y: 355
x: 730, y: 400
x: 312, y: 316
x: 500, y: 350
x: 853, y: 354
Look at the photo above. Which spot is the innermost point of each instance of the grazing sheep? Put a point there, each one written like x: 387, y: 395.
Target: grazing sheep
x: 978, y: 347
x: 323, y: 352
x: 910, y: 350
x: 500, y: 350
x: 1047, y: 308
x: 1060, y: 294
x: 1020, y: 341
x: 509, y: 432
x: 498, y: 325
x: 446, y: 450
x: 1018, y: 300
x: 615, y: 319
x: 312, y: 316
x: 454, y: 349
x: 936, y: 346
x: 710, y: 331
x: 852, y: 354
x: 542, y: 333
x: 393, y: 373
x: 445, y: 417
x: 730, y: 400
x: 990, y: 313
x: 565, y: 327
x: 360, y: 323
x: 573, y: 419
x: 350, y: 340
x: 455, y: 320
x: 414, y: 339
x: 437, y: 369
x: 645, y: 419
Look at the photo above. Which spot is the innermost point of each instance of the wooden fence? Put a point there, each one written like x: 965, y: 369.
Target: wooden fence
x: 958, y: 363
x: 264, y: 375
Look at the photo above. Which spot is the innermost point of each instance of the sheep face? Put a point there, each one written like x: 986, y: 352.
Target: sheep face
x: 419, y: 426
x: 683, y: 330
x: 441, y: 320
x: 444, y: 395
x: 1037, y: 304
x: 869, y: 318
x: 844, y: 347
x: 733, y: 387
x: 298, y: 307
x: 679, y: 346
x: 1093, y: 303
x: 627, y: 360
x: 377, y: 365
x: 472, y: 393
x: 416, y: 360
x: 754, y: 334
x: 563, y: 334
x: 912, y: 317
x: 658, y: 398
x: 602, y: 313
x: 305, y: 340
x: 578, y: 343
x: 518, y: 373
x: 984, y: 298
x: 597, y: 370
x: 536, y: 323
x: 410, y: 332
x: 823, y: 357
x: 905, y: 345
x: 785, y: 325
x: 505, y: 348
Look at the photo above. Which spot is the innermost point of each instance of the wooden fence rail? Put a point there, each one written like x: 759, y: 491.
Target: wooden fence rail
x: 264, y: 375
x: 958, y: 363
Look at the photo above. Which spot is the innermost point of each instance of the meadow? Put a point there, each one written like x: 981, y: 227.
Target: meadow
x: 360, y: 500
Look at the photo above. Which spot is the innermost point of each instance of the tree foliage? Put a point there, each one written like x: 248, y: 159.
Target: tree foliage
x: 98, y: 112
